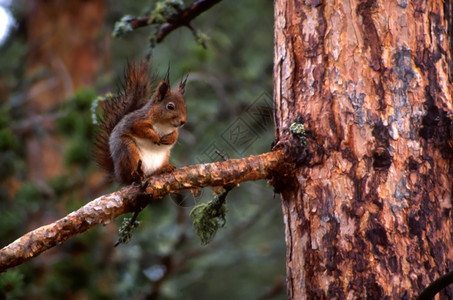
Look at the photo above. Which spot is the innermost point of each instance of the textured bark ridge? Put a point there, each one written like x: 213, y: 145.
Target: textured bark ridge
x: 372, y: 81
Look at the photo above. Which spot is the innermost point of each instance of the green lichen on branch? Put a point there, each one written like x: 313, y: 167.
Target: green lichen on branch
x: 158, y: 16
x: 126, y: 229
x: 164, y: 17
x: 95, y: 104
x: 298, y: 130
x: 123, y: 26
x: 164, y: 9
x: 208, y: 218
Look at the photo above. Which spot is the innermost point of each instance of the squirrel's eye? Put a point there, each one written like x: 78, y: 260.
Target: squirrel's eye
x: 170, y: 106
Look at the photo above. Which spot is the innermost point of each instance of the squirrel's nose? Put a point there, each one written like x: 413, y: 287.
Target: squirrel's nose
x: 182, y: 122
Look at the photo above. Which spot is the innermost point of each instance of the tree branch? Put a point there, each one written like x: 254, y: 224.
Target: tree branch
x: 107, y: 207
x: 174, y: 21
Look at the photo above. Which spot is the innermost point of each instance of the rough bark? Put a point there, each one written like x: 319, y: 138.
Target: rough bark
x: 372, y: 81
x: 132, y: 198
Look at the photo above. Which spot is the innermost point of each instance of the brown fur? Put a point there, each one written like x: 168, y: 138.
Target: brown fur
x: 135, y: 114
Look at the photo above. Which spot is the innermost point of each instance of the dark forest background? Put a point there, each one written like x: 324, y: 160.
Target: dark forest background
x: 56, y: 61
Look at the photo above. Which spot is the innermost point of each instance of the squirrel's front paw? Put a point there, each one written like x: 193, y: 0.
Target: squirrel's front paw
x: 164, y: 141
x: 169, y: 139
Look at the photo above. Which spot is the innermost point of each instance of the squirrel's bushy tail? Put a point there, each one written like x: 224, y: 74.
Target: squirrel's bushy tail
x: 135, y: 92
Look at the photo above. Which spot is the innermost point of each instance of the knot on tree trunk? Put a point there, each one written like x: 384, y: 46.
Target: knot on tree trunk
x: 299, y: 148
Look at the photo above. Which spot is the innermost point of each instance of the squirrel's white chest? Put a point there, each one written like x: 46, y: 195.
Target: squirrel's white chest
x: 153, y: 156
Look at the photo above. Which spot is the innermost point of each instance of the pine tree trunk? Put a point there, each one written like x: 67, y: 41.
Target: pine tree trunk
x: 372, y: 81
x: 65, y: 54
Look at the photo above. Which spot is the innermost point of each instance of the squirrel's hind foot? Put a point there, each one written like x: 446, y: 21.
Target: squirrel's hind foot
x: 168, y: 168
x: 137, y: 174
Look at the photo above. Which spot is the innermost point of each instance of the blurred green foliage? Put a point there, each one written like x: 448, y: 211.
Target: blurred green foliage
x: 11, y: 285
x: 76, y: 124
x: 229, y: 105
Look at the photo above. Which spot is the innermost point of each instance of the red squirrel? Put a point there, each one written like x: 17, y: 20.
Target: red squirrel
x: 139, y: 128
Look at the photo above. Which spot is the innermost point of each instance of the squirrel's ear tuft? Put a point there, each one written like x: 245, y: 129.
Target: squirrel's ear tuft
x: 164, y: 86
x: 182, y: 85
x: 162, y: 90
x: 167, y: 76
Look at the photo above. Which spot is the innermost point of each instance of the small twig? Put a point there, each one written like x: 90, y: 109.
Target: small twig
x: 222, y: 155
x: 175, y: 21
x: 129, y: 227
x: 227, y: 188
x: 436, y: 286
x: 141, y: 201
